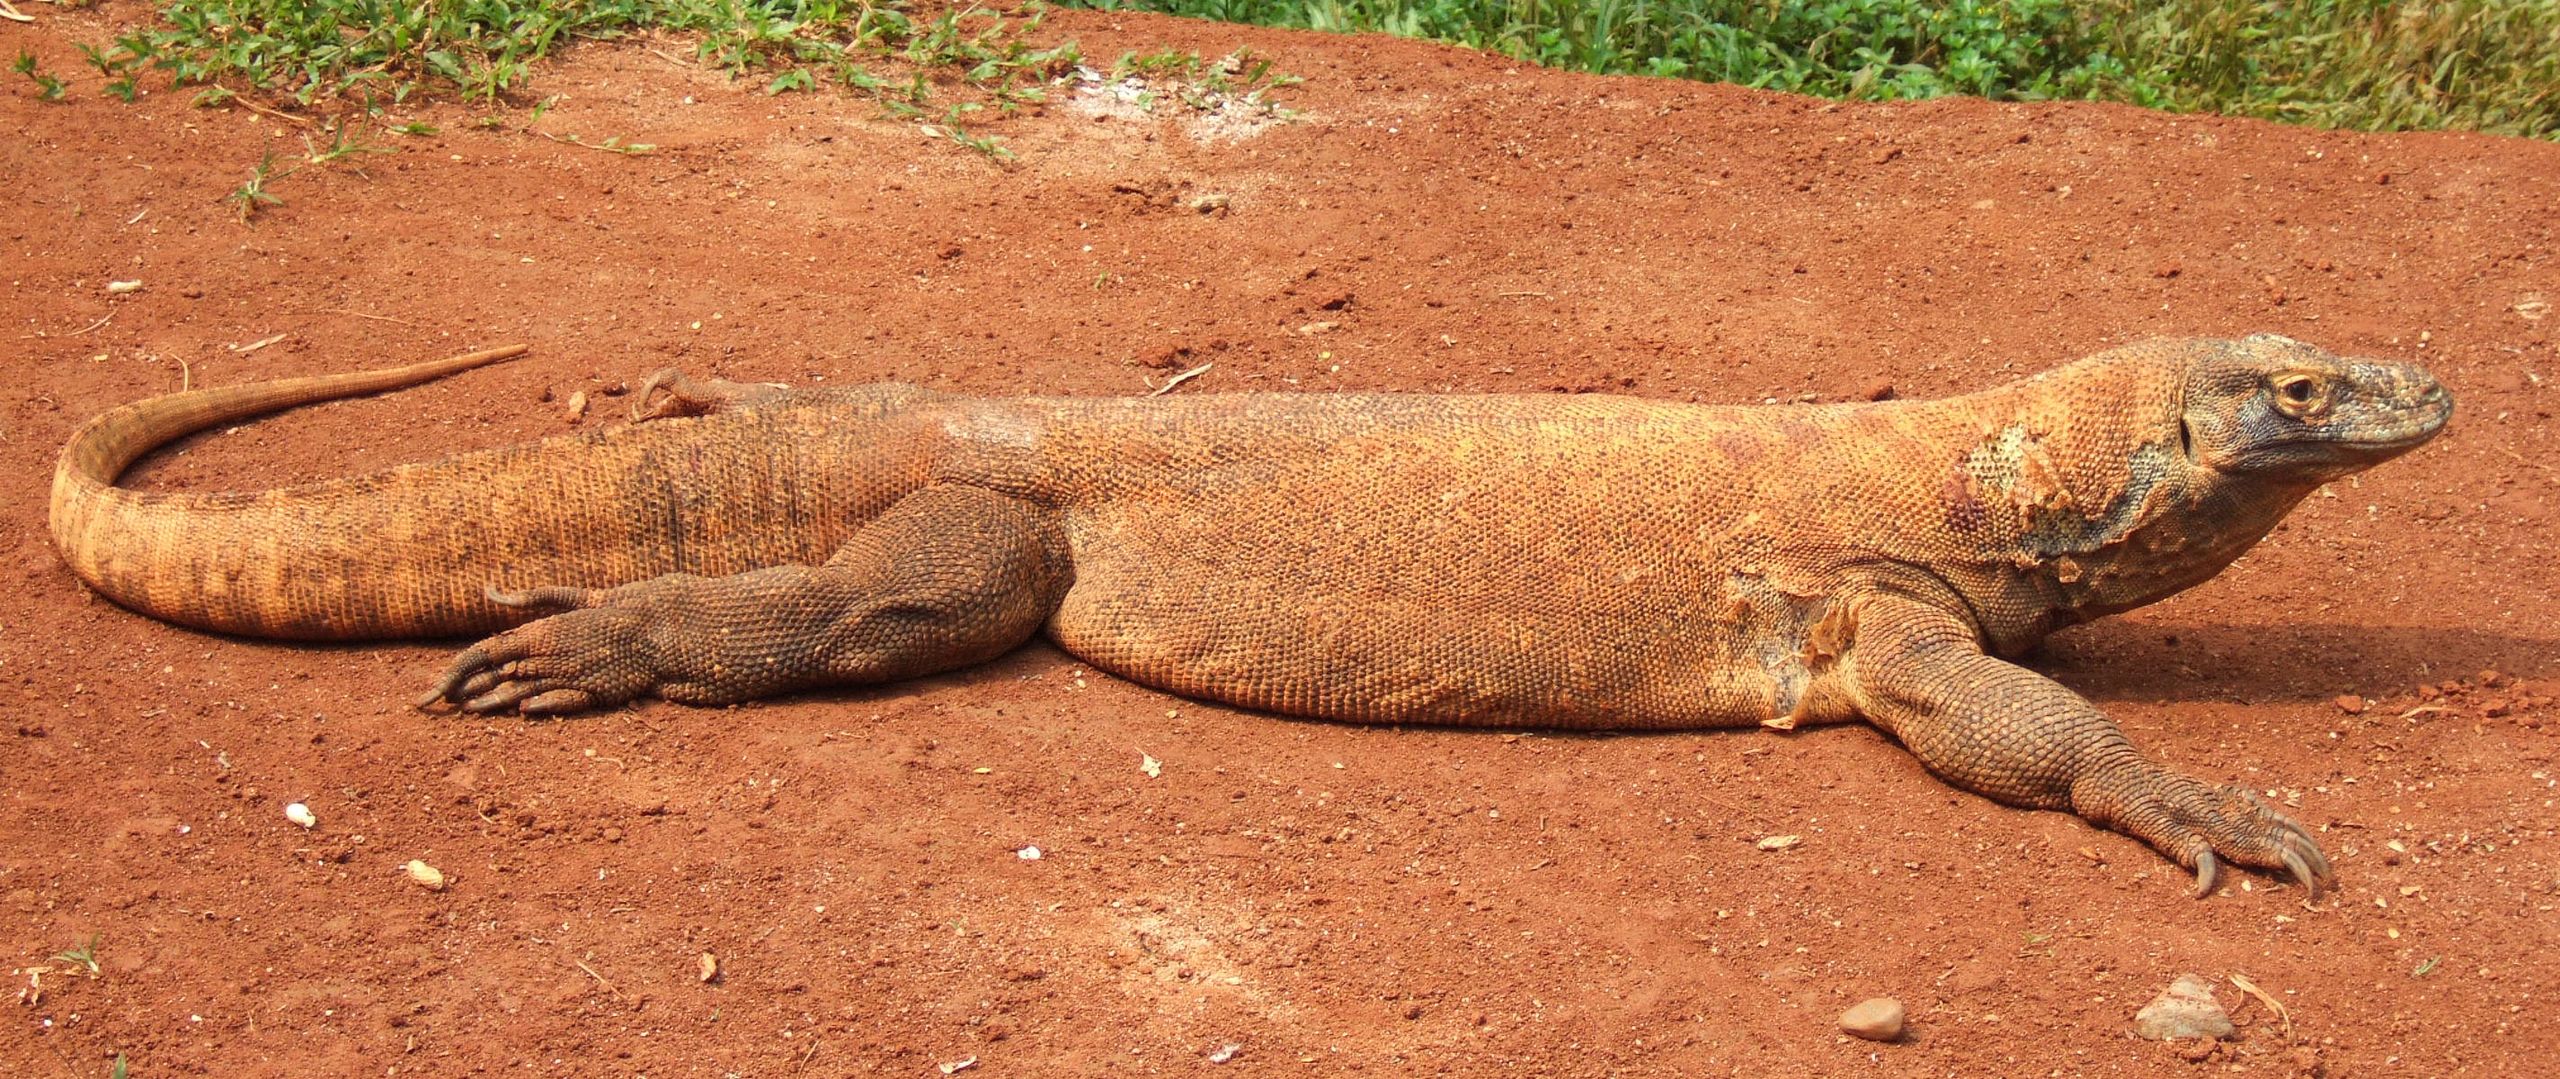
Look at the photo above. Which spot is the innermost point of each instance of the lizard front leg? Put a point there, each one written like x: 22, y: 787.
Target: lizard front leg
x: 2010, y: 734
x: 947, y: 577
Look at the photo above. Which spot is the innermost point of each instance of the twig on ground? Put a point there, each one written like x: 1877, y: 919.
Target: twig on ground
x: 253, y: 106
x: 362, y: 314
x: 2272, y: 1004
x: 102, y: 320
x: 591, y: 972
x: 10, y: 11
x: 1179, y: 379
x: 260, y: 343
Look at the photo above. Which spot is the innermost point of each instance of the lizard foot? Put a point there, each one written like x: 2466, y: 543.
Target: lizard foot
x: 594, y: 653
x: 2201, y: 825
x: 683, y: 396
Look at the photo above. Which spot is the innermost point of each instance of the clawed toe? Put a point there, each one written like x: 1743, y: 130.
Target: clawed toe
x: 668, y: 393
x: 2208, y: 826
x: 552, y: 597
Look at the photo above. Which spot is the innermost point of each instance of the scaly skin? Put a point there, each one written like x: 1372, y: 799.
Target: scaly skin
x: 1581, y: 562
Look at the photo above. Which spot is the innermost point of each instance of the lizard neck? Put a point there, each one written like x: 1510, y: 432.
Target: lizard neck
x: 2085, y: 501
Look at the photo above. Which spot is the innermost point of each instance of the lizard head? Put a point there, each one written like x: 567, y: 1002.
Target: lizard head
x: 2272, y: 408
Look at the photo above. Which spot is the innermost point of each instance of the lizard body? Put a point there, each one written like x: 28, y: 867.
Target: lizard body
x: 1562, y: 561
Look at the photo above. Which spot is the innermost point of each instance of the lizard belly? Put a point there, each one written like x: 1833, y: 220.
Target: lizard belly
x: 1333, y: 635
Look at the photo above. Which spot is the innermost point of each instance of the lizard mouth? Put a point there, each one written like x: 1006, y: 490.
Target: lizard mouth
x: 2423, y: 419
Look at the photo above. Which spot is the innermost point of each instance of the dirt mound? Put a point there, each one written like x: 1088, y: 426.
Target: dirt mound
x: 1327, y: 899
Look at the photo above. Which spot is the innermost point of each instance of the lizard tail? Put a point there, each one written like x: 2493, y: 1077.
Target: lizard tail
x: 157, y: 552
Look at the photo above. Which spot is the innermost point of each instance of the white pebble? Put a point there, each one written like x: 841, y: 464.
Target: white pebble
x: 301, y: 814
x: 425, y: 876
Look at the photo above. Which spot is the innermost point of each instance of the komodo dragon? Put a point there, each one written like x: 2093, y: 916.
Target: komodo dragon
x: 1551, y: 561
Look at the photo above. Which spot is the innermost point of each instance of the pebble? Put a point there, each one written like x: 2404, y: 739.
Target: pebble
x: 2184, y: 1010
x: 301, y: 814
x: 1877, y: 1019
x: 425, y: 876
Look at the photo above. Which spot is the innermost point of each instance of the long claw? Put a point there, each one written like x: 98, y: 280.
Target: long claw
x: 477, y: 684
x: 2301, y: 871
x: 2319, y: 862
x: 503, y: 697
x: 557, y: 702
x: 446, y: 688
x: 2208, y: 873
x: 641, y: 411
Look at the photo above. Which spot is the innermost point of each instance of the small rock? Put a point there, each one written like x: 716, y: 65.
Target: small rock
x: 425, y: 876
x: 707, y: 968
x: 1878, y: 390
x: 2349, y: 703
x: 301, y: 814
x: 1779, y: 842
x: 2184, y: 1010
x: 577, y: 406
x: 2166, y: 270
x: 1877, y: 1019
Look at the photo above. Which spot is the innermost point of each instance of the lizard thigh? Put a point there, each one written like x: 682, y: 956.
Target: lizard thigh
x: 946, y: 577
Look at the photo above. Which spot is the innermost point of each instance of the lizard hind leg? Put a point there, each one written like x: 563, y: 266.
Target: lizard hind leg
x: 947, y: 577
x: 668, y: 393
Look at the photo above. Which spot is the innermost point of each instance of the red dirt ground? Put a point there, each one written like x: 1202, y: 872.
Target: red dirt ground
x: 1330, y: 899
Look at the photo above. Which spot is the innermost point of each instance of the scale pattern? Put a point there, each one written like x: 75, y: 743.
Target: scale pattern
x: 1564, y: 561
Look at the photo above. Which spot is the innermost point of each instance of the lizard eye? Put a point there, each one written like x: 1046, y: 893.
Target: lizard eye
x: 2297, y: 395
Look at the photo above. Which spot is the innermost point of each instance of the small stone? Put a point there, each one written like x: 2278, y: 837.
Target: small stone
x: 425, y: 876
x: 2184, y: 1010
x: 2349, y: 703
x: 1877, y: 1019
x: 707, y: 968
x: 301, y: 814
x: 1877, y: 390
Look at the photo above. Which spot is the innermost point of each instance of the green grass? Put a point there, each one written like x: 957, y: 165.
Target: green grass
x: 2486, y: 65
x: 920, y: 59
x: 85, y: 956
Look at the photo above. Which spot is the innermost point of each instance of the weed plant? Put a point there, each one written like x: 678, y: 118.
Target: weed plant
x: 2487, y: 65
x: 916, y: 59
